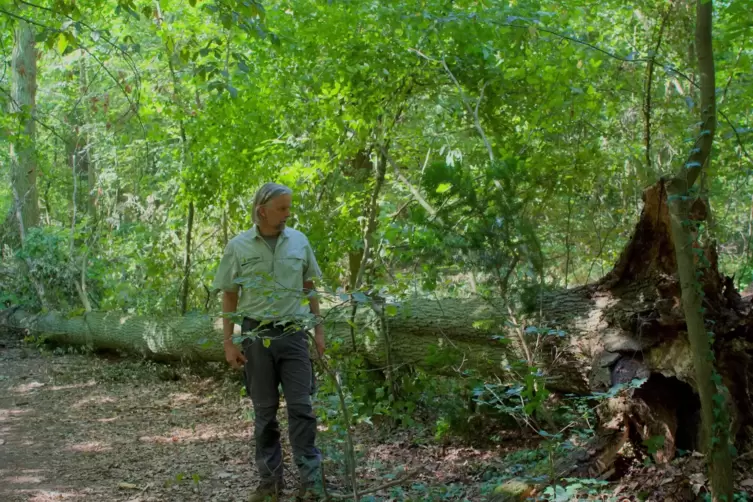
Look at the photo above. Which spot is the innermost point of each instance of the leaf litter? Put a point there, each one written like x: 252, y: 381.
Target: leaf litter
x: 85, y: 427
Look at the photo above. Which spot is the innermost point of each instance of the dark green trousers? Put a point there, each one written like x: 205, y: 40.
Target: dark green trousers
x: 285, y: 361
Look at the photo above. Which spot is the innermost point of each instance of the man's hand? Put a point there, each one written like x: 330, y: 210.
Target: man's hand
x: 319, y: 339
x: 234, y: 357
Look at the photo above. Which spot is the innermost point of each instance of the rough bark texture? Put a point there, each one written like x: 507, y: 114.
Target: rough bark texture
x: 22, y: 153
x: 715, y: 418
x: 191, y: 338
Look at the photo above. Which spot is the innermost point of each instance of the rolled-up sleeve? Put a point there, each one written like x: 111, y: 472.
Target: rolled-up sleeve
x: 227, y: 272
x: 312, y: 270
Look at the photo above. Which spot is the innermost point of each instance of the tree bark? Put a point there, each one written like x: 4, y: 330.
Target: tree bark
x: 712, y: 394
x: 87, y: 153
x: 22, y: 149
x: 187, y: 262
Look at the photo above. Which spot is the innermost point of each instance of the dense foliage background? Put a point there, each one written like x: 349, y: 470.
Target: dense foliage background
x: 520, y: 126
x: 472, y: 147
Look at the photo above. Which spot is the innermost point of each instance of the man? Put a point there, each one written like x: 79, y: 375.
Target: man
x: 274, y: 267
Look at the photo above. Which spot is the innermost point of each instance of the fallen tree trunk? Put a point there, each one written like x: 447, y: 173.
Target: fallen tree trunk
x: 189, y: 338
x: 628, y: 325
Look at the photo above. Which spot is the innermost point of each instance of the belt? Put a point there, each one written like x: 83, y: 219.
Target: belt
x: 284, y: 327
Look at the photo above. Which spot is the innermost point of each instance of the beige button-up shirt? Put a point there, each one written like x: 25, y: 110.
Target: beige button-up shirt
x: 270, y: 282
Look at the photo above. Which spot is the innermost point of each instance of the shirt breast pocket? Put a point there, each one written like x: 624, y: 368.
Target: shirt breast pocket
x: 293, y: 263
x: 253, y: 265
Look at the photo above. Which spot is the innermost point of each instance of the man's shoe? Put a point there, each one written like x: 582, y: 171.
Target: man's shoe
x: 267, y: 492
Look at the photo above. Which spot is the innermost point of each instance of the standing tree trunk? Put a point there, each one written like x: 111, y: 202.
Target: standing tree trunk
x: 686, y: 213
x: 87, y: 152
x: 187, y: 263
x: 22, y: 149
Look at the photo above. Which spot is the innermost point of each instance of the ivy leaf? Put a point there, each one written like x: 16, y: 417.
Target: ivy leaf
x: 360, y: 297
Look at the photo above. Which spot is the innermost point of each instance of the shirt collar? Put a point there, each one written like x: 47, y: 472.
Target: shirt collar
x: 256, y: 233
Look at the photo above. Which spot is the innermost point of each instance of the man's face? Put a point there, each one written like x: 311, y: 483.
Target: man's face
x: 276, y: 212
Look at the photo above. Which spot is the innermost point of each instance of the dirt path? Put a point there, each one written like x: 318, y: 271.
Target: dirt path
x: 82, y: 428
x: 88, y: 428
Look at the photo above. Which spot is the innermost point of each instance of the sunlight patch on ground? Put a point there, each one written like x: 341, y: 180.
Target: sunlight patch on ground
x: 5, y: 414
x: 26, y: 388
x: 22, y: 480
x: 90, y: 447
x: 93, y: 400
x: 49, y: 495
x: 90, y: 383
x: 200, y: 433
x: 178, y: 398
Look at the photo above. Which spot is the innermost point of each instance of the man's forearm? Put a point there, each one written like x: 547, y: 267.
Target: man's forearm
x: 229, y: 305
x: 308, y: 287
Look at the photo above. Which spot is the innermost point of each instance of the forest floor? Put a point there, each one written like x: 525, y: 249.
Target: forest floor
x: 89, y: 427
x: 99, y: 428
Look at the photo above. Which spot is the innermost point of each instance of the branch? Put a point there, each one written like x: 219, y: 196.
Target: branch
x: 350, y: 456
x: 125, y: 54
x: 371, y: 225
x: 49, y: 128
x: 85, y: 49
x: 408, y: 476
x: 429, y: 209
x: 701, y: 151
x: 471, y: 112
x: 666, y: 67
x: 649, y: 79
x: 27, y: 20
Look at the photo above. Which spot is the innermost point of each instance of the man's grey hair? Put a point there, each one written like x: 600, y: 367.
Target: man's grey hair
x: 267, y: 192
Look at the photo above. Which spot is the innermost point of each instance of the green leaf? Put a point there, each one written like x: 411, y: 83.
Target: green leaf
x: 266, y: 342
x: 170, y: 44
x: 360, y: 297
x: 62, y: 43
x: 443, y: 187
x: 654, y: 443
x: 192, y: 3
x: 391, y: 310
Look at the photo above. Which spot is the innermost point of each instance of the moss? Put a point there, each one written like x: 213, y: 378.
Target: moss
x: 512, y: 491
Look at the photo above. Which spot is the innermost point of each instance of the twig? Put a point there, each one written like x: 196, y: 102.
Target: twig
x: 649, y: 82
x: 35, y: 119
x: 350, y: 454
x: 75, y: 195
x: 473, y: 113
x: 384, y: 486
x: 125, y: 54
x: 421, y: 200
